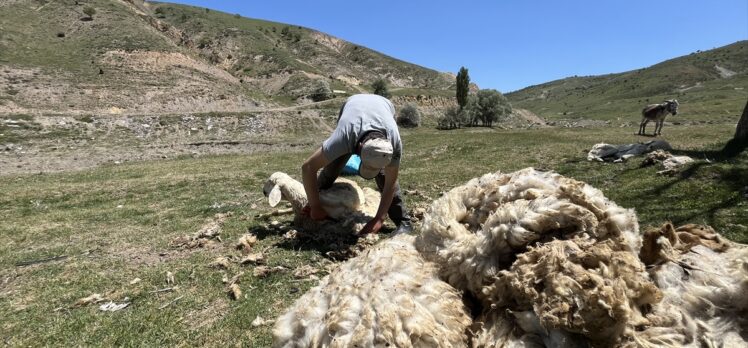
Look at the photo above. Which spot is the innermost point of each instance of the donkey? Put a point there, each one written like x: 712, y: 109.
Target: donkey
x: 657, y: 113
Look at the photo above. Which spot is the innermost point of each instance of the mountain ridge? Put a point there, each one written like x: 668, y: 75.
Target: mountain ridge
x: 708, y: 83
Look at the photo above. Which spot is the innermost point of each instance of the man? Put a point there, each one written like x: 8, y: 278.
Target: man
x: 367, y: 127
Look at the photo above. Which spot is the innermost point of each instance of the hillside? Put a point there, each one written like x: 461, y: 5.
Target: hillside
x: 134, y: 57
x: 711, y: 86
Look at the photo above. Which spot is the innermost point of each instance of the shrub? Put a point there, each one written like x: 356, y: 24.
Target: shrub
x: 321, y: 91
x: 380, y: 88
x: 89, y: 11
x: 409, y: 116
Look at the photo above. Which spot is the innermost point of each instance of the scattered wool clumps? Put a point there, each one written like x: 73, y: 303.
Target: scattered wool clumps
x: 387, y: 296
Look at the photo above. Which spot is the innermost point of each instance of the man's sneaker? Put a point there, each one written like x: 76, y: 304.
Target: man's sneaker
x: 404, y: 227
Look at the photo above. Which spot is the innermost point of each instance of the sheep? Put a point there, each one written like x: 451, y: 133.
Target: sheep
x: 551, y: 248
x: 388, y: 296
x: 657, y: 113
x: 349, y: 206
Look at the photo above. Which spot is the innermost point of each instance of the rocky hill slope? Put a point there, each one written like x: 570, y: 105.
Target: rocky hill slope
x: 135, y: 57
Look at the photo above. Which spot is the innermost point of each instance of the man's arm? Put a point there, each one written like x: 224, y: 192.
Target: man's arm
x: 388, y: 192
x: 309, y: 177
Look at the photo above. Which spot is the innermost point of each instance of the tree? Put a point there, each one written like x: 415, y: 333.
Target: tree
x: 453, y: 118
x: 463, y: 86
x: 321, y: 91
x: 89, y: 11
x: 409, y: 116
x: 447, y: 121
x: 380, y: 87
x: 470, y: 110
x: 491, y: 105
x: 741, y: 131
x: 739, y: 142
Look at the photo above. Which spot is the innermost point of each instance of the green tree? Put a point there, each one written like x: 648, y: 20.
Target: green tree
x: 89, y: 11
x: 380, y: 87
x: 463, y: 86
x: 409, y: 116
x: 491, y: 106
x: 453, y: 117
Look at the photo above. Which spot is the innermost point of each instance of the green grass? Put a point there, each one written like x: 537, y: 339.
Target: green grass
x: 115, y: 224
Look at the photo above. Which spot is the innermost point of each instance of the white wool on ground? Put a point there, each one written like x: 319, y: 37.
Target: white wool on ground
x: 387, y: 296
x: 670, y: 163
x: 537, y: 242
x: 704, y: 280
x: 477, y: 229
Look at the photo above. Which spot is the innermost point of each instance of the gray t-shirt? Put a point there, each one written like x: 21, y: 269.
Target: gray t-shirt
x: 362, y: 113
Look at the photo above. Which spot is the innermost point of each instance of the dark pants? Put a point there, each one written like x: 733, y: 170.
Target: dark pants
x: 332, y: 171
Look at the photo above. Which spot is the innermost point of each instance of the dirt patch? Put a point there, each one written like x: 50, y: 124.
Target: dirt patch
x: 150, y: 61
x: 59, y: 143
x: 724, y: 72
x: 529, y: 116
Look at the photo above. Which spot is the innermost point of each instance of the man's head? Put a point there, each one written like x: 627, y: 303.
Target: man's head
x: 376, y: 153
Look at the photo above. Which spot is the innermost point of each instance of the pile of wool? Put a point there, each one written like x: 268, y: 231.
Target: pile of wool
x: 552, y: 250
x: 669, y: 162
x: 348, y: 206
x: 387, y: 296
x: 704, y: 279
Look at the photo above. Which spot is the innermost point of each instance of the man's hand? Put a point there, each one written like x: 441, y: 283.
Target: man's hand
x: 315, y: 214
x: 373, y: 226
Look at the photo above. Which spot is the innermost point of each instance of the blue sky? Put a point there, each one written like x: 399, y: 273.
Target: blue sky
x: 508, y: 45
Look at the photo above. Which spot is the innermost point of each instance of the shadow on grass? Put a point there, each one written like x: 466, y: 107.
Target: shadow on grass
x: 334, y: 246
x: 727, y: 170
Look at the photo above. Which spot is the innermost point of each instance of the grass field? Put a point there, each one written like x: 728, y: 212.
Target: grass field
x: 116, y: 223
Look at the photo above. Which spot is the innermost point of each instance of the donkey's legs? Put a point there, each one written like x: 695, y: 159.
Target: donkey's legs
x: 643, y: 126
x: 659, y: 127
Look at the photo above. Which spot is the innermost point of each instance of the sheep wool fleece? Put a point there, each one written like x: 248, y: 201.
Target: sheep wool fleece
x: 367, y: 302
x: 551, y: 249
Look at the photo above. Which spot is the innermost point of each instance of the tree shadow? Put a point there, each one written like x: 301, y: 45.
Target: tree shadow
x: 734, y: 177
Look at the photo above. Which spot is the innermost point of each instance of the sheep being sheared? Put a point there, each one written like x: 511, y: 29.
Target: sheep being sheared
x: 388, y: 296
x: 704, y: 279
x: 345, y: 202
x: 549, y: 247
